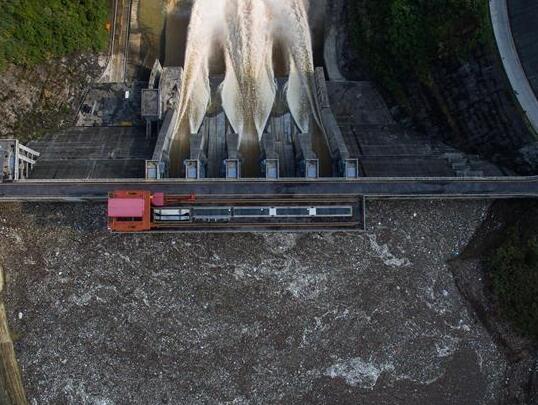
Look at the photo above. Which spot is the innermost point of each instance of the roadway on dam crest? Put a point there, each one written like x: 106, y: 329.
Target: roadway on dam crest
x: 441, y: 188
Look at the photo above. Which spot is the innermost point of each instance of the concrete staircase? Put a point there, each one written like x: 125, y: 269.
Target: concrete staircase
x: 385, y: 149
x: 93, y: 152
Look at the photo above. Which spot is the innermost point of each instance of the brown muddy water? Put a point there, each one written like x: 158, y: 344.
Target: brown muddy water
x: 164, y: 24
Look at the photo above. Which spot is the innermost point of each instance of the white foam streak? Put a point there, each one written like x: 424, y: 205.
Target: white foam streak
x: 249, y: 89
x: 246, y: 30
x: 195, y: 90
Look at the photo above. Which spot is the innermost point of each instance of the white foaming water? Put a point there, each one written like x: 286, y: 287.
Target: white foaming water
x: 246, y: 31
x: 195, y: 89
x: 294, y: 31
x: 249, y: 89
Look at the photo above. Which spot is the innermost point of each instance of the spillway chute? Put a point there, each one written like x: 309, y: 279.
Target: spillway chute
x: 249, y: 89
x: 195, y: 95
x: 245, y: 33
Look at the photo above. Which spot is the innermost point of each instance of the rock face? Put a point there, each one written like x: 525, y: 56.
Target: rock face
x: 339, y: 20
x: 45, y: 96
x: 259, y: 318
x: 470, y: 105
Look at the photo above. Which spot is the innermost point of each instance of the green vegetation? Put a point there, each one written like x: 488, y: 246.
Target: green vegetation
x: 514, y: 267
x: 402, y: 38
x: 31, y: 31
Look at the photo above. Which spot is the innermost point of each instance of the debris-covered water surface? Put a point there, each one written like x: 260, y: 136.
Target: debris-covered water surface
x: 252, y: 318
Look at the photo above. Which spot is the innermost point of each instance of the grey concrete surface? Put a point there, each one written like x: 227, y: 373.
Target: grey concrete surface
x: 442, y: 188
x: 511, y: 60
x: 246, y: 319
x: 386, y: 149
x: 330, y: 55
x: 106, y: 104
x: 93, y: 152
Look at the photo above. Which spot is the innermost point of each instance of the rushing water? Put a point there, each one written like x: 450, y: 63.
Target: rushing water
x: 248, y: 34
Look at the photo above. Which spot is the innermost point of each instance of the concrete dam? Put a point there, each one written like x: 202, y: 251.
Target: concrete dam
x: 240, y: 106
x: 239, y: 89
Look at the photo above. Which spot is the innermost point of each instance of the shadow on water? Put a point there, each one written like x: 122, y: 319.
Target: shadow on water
x: 174, y: 38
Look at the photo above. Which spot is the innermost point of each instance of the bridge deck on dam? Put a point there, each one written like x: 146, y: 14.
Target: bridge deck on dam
x: 94, y: 190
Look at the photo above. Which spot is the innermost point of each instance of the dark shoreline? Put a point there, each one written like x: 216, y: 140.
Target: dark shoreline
x: 473, y: 280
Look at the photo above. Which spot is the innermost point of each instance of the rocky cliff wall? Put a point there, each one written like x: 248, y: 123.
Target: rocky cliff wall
x: 470, y: 105
x: 467, y: 103
x: 33, y: 100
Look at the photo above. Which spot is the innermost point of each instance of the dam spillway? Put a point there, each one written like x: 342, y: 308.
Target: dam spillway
x: 318, y: 125
x: 245, y: 35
